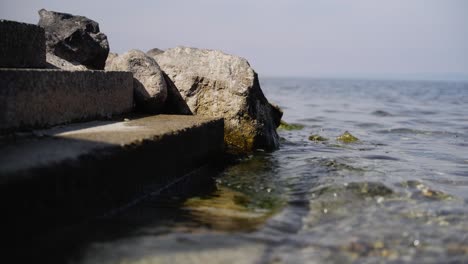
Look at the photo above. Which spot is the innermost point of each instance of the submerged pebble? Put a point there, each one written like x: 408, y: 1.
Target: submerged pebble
x: 422, y: 190
x: 317, y: 137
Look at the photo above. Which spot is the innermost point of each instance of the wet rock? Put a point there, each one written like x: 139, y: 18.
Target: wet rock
x: 154, y: 52
x: 277, y: 113
x: 74, y: 38
x: 287, y: 126
x: 334, y: 165
x: 423, y: 191
x: 217, y: 84
x: 149, y: 86
x: 317, y: 138
x: 54, y: 62
x: 347, y: 138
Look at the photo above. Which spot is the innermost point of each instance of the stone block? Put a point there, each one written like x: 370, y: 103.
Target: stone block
x: 21, y: 45
x: 81, y: 170
x: 37, y: 98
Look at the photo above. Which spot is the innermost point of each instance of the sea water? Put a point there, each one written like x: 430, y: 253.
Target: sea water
x: 399, y: 194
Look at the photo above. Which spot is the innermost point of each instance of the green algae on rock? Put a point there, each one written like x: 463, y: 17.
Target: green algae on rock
x: 317, y: 138
x: 347, y: 138
x: 290, y: 126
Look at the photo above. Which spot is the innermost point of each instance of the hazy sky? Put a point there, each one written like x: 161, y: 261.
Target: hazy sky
x: 316, y: 38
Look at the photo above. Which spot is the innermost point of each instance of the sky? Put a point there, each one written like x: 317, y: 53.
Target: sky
x: 403, y: 39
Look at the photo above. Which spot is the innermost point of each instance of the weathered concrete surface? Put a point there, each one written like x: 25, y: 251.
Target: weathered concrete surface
x: 21, y: 45
x: 41, y: 98
x: 83, y: 169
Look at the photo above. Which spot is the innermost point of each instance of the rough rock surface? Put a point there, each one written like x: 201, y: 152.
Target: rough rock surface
x: 175, y: 103
x: 220, y: 85
x: 54, y: 62
x: 111, y: 57
x: 149, y: 86
x: 74, y: 38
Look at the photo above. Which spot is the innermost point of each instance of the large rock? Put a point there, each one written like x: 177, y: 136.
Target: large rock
x: 74, y: 38
x: 220, y: 85
x: 149, y: 86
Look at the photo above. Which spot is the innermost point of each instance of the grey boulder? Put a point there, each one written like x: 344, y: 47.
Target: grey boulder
x: 220, y: 85
x: 149, y: 85
x: 74, y: 38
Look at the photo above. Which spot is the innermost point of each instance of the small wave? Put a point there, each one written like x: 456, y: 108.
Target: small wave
x: 368, y: 125
x: 380, y: 157
x: 312, y: 119
x: 381, y: 113
x: 423, y: 112
x: 405, y: 130
x: 461, y: 173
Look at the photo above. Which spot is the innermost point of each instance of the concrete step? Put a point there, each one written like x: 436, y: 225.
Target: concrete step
x: 84, y: 169
x: 21, y: 45
x: 35, y: 98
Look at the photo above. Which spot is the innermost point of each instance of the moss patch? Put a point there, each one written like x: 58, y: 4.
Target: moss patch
x: 317, y: 138
x: 287, y: 126
x: 347, y: 138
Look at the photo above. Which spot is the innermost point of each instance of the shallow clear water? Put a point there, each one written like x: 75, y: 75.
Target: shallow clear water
x: 399, y: 194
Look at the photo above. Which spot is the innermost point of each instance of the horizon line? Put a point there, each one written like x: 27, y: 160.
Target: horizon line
x: 371, y: 78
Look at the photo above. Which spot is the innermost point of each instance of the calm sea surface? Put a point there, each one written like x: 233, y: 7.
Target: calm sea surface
x: 399, y: 194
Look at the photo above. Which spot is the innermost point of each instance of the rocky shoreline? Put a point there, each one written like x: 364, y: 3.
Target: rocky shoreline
x: 211, y: 83
x: 83, y: 130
